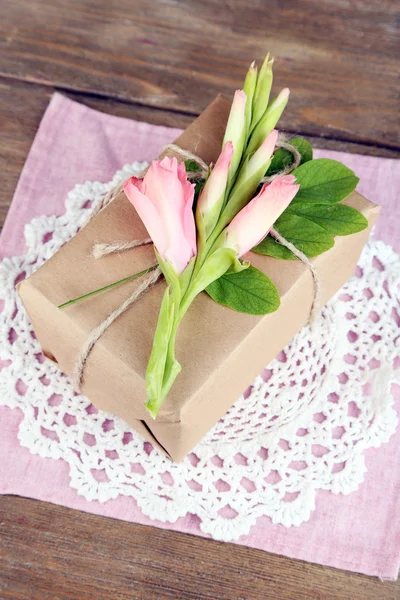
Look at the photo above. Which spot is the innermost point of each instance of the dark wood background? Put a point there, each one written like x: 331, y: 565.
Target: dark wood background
x: 162, y: 61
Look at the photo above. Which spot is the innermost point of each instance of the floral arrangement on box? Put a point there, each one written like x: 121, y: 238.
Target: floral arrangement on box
x: 262, y: 196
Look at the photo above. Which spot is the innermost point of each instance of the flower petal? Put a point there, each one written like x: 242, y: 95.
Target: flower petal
x: 254, y: 221
x: 147, y: 212
x: 189, y: 224
x: 165, y: 204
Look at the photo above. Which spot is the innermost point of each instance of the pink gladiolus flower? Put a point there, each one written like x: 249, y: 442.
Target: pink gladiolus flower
x: 255, y: 220
x: 164, y: 201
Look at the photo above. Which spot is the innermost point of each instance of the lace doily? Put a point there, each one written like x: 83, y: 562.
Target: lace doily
x: 302, y: 426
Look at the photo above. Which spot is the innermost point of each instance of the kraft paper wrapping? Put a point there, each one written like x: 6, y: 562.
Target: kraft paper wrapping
x: 221, y: 351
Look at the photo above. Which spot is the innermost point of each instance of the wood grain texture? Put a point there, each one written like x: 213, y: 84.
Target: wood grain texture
x: 340, y: 59
x: 22, y: 106
x: 52, y: 553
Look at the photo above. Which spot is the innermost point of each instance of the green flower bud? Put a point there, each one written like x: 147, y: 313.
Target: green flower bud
x: 269, y: 121
x: 250, y: 175
x: 249, y: 89
x: 236, y: 131
x: 262, y: 92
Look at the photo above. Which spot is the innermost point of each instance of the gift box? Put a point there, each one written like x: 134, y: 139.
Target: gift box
x: 221, y: 351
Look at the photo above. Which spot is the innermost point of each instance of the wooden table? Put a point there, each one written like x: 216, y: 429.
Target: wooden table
x: 162, y: 61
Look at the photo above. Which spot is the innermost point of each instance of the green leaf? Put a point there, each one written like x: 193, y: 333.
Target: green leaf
x: 283, y: 158
x: 249, y: 291
x: 314, y: 215
x: 324, y: 181
x: 218, y: 263
x: 192, y: 166
x: 199, y: 184
x: 270, y: 247
x: 304, y: 147
x: 306, y: 235
x: 337, y: 219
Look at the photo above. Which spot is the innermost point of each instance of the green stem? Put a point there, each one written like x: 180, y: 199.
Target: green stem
x: 108, y: 287
x: 220, y: 224
x: 202, y: 257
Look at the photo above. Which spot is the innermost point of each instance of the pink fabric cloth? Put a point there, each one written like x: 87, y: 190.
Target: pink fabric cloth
x: 359, y: 532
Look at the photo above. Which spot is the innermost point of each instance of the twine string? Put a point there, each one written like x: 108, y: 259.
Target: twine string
x: 100, y: 250
x: 305, y: 260
x: 288, y: 168
x: 98, y: 331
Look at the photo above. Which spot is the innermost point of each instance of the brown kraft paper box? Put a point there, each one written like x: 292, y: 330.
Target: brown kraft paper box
x: 221, y: 351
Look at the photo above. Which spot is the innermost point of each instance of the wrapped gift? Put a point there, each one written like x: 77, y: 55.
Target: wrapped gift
x: 221, y: 351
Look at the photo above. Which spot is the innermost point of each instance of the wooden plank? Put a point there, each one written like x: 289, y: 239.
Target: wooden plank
x: 49, y: 552
x: 22, y: 106
x: 340, y: 60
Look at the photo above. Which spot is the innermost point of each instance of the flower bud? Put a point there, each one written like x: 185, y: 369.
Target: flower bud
x: 262, y: 92
x: 212, y: 196
x: 236, y: 131
x: 249, y: 89
x: 163, y: 201
x: 268, y: 121
x: 262, y: 157
x: 249, y: 178
x: 254, y: 221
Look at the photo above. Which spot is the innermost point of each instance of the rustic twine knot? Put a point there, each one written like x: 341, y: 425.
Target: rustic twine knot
x: 101, y: 250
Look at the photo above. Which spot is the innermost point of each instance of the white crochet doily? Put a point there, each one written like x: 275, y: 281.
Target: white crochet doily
x: 302, y: 426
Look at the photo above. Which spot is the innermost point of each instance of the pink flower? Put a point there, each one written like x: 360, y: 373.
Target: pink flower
x: 164, y: 201
x: 237, y: 120
x: 236, y: 130
x: 261, y: 157
x: 255, y: 220
x: 212, y: 195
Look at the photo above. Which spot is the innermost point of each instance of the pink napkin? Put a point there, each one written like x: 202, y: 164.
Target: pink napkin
x: 359, y: 532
